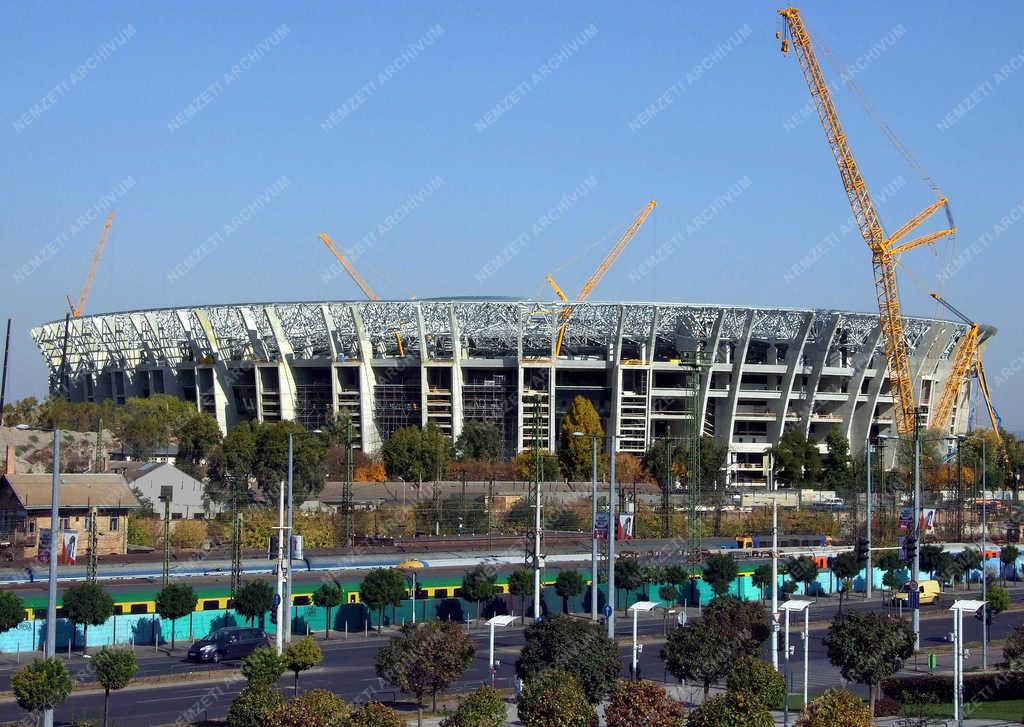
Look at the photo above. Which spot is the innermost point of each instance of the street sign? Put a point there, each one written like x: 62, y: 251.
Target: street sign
x: 601, y: 526
x: 607, y: 611
x: 277, y: 600
x: 913, y: 594
x: 906, y: 517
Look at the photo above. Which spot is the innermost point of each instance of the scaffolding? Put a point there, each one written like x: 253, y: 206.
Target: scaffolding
x: 396, y: 406
x: 489, y: 397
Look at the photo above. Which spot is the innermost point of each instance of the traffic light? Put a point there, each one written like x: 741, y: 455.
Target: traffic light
x: 909, y: 548
x: 861, y: 550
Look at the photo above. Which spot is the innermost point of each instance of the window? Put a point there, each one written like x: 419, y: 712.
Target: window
x: 65, y: 523
x: 302, y: 600
x: 210, y: 605
x: 139, y: 608
x: 114, y: 523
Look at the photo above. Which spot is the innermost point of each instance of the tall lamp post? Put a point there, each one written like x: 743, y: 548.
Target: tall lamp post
x: 915, y: 527
x: 51, y: 605
x: 593, y: 527
x: 870, y: 571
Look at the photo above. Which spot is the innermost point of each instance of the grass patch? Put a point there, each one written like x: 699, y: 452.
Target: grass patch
x: 1010, y: 710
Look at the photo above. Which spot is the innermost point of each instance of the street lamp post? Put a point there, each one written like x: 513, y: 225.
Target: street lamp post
x: 51, y: 605
x: 915, y: 528
x: 612, y: 525
x: 870, y: 568
x: 984, y: 547
x: 593, y: 525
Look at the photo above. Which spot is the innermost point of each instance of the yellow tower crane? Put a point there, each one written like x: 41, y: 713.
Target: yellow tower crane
x: 76, y: 310
x: 885, y: 249
x: 966, y: 362
x: 595, y: 278
x: 358, y: 279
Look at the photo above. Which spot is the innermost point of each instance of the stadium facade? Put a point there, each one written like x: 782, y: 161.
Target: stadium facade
x: 443, y: 362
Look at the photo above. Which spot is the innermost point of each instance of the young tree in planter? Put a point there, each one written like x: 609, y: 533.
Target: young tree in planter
x: 327, y: 596
x: 87, y: 604
x: 253, y: 600
x: 424, y: 659
x: 803, y: 570
x: 554, y: 697
x: 382, y: 587
x: 698, y: 652
x: 719, y: 573
x: 868, y: 647
x: 753, y: 675
x: 263, y: 667
x: 846, y: 567
x: 520, y: 584
x: 762, y: 579
x: 302, y: 655
x: 579, y: 647
x: 478, y: 586
x: 1008, y: 555
x: 569, y: 584
x: 642, y: 703
x: 41, y: 685
x: 173, y: 602
x: 114, y: 670
x: 628, y: 576
x: 12, y: 610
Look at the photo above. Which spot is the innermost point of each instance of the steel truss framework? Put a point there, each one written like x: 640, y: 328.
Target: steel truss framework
x: 805, y: 349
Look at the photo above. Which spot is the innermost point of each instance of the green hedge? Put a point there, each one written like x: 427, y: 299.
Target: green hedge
x: 989, y: 687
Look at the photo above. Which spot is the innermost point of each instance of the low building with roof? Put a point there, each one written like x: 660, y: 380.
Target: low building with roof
x: 188, y: 495
x: 25, y: 511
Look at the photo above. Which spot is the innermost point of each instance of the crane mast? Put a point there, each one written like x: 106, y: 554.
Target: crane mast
x: 600, y: 272
x: 884, y: 249
x: 349, y: 267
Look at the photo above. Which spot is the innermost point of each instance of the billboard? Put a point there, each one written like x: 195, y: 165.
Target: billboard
x: 601, y: 526
x: 67, y: 547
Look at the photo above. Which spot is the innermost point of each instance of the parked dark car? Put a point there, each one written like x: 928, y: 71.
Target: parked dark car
x: 228, y: 643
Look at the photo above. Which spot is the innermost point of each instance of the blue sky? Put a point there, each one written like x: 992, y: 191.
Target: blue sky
x: 187, y: 115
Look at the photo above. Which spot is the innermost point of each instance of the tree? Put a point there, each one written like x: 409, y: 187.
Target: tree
x: 424, y: 659
x: 300, y: 656
x: 41, y: 685
x: 554, y: 698
x: 87, y: 604
x: 483, y: 708
x: 719, y: 573
x: 1008, y: 555
x: 868, y: 647
x: 628, y: 577
x: 520, y: 583
x: 374, y: 714
x: 753, y: 675
x: 382, y: 587
x: 969, y: 559
x: 270, y: 466
x: 837, y: 469
x: 797, y: 460
x: 478, y: 586
x: 762, y: 579
x: 579, y: 647
x: 479, y: 440
x: 642, y: 703
x: 526, y: 462
x: 745, y: 624
x: 253, y: 706
x: 576, y: 453
x: 569, y: 584
x: 230, y: 464
x: 846, y: 567
x: 736, y: 709
x: 263, y: 667
x: 175, y: 601
x: 114, y: 670
x: 197, y: 436
x: 803, y: 569
x: 416, y: 454
x: 146, y: 424
x: 930, y: 558
x: 836, y: 707
x: 1013, y: 649
x: 327, y: 596
x: 12, y: 610
x: 892, y: 565
x: 253, y: 600
x: 315, y: 708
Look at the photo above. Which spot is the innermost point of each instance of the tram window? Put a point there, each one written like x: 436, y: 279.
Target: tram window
x: 211, y: 604
x: 139, y: 608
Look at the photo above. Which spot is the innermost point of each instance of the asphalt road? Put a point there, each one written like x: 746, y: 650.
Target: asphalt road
x: 348, y: 669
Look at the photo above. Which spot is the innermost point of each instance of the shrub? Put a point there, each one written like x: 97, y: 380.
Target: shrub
x: 483, y: 708
x: 555, y: 698
x: 1013, y: 649
x: 253, y: 706
x: 374, y: 714
x: 188, y: 534
x: 887, y: 707
x: 142, y: 530
x: 315, y: 708
x: 836, y: 708
x: 43, y: 684
x: 736, y: 709
x: 758, y: 677
x: 642, y: 703
x: 263, y: 667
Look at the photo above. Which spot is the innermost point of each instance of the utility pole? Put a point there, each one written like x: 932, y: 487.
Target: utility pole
x: 870, y: 568
x: 51, y: 604
x: 286, y: 624
x: 282, y: 533
x: 346, y: 493
x: 916, y: 529
x: 984, y: 546
x: 537, y: 559
x: 3, y: 376
x: 490, y: 511
x: 166, y: 493
x: 236, y: 541
x: 593, y: 531
x: 93, y: 560
x: 613, y: 523
x: 666, y: 486
x: 775, y: 584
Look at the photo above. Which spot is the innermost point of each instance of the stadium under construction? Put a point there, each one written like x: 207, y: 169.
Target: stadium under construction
x: 745, y: 375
